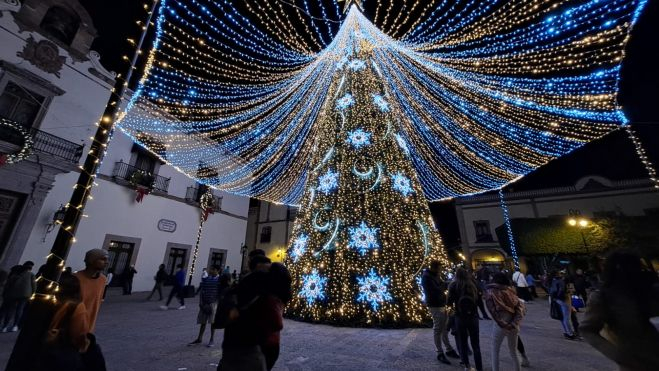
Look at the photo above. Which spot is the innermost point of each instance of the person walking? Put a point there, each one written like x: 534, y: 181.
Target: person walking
x: 434, y: 289
x: 521, y: 286
x: 463, y: 294
x: 507, y: 311
x: 177, y: 289
x: 160, y: 278
x: 20, y: 287
x: 92, y: 285
x: 617, y: 319
x: 558, y: 293
x: 209, y: 295
x: 129, y: 274
x: 530, y: 281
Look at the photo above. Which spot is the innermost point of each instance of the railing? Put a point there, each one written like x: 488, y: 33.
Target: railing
x: 125, y: 172
x: 46, y: 143
x: 193, y: 195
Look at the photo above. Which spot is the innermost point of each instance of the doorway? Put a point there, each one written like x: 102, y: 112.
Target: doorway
x: 120, y: 255
x: 174, y: 255
x: 11, y: 205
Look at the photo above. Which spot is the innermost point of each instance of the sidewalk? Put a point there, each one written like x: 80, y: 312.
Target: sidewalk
x: 138, y: 336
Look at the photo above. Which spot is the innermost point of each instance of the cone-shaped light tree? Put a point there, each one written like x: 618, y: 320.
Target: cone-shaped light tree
x: 364, y: 231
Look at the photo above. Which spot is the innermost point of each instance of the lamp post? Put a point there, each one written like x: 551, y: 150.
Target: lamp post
x: 243, y: 252
x: 577, y: 221
x: 41, y: 308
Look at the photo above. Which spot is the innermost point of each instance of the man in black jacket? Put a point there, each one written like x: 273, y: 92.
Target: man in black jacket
x: 435, y: 292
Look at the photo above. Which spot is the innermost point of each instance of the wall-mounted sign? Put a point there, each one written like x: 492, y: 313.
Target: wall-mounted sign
x: 167, y: 225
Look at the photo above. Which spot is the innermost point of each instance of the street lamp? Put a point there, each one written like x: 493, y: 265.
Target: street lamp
x: 578, y: 221
x: 243, y: 252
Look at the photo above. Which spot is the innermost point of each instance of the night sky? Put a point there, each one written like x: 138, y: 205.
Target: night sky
x: 612, y: 156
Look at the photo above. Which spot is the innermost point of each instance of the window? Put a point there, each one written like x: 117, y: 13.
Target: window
x: 20, y: 104
x: 120, y: 254
x: 266, y: 234
x: 61, y: 23
x: 483, y: 233
x: 176, y: 256
x: 144, y: 160
x: 217, y: 257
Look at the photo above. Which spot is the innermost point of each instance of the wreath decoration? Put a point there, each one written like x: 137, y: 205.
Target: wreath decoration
x: 26, y: 149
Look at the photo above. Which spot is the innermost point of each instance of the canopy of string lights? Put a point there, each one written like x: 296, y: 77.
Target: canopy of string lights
x: 488, y: 90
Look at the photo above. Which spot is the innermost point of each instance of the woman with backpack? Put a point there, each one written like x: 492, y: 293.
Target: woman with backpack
x: 507, y: 311
x: 463, y: 294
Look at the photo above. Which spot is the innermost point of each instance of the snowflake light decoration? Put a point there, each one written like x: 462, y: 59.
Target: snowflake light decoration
x: 345, y: 101
x: 363, y: 238
x: 357, y: 65
x: 402, y: 144
x: 359, y: 138
x: 313, y: 287
x: 382, y: 104
x: 299, y: 247
x: 402, y: 184
x: 328, y: 182
x: 423, y: 293
x: 373, y: 289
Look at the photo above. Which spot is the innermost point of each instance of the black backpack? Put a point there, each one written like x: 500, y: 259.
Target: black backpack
x: 466, y: 304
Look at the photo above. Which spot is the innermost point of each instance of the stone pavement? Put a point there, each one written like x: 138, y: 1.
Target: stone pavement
x: 137, y: 335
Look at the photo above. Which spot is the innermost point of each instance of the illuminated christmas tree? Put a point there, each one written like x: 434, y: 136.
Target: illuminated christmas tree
x: 364, y: 231
x: 361, y: 117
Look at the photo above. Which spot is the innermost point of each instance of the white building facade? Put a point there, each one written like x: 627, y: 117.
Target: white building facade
x: 269, y: 228
x: 55, y: 87
x: 591, y: 197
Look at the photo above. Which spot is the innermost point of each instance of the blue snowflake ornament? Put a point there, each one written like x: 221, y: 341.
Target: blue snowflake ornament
x: 373, y: 289
x: 382, y: 104
x: 313, y: 287
x: 299, y: 247
x: 363, y: 238
x: 402, y: 184
x: 357, y: 65
x: 421, y: 290
x: 359, y: 138
x: 328, y: 182
x: 345, y: 101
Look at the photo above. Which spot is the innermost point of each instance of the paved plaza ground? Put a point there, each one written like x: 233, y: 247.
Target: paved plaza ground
x: 137, y: 335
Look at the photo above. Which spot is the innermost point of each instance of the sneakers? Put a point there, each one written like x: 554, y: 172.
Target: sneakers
x: 442, y: 358
x: 452, y: 353
x: 181, y: 307
x: 569, y: 337
x: 210, y: 344
x: 14, y: 329
x: 164, y: 307
x: 197, y: 341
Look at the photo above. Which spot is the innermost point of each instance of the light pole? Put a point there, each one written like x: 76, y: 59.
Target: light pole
x: 576, y: 220
x: 41, y: 308
x: 243, y: 251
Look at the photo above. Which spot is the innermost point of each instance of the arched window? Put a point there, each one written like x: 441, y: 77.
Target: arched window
x: 61, y: 23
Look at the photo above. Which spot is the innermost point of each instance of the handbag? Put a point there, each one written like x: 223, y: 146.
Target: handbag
x: 577, y: 302
x: 555, y: 311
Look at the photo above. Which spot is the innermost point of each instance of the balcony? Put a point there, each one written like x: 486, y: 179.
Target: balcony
x: 193, y: 195
x: 45, y: 143
x: 123, y: 172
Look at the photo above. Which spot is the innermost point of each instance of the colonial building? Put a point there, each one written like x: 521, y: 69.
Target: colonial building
x: 269, y: 227
x: 52, y: 90
x: 590, y: 199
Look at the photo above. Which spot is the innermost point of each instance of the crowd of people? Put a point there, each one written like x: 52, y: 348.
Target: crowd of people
x: 619, y: 303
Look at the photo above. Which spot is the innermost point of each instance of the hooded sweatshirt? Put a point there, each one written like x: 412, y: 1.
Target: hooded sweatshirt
x: 504, y: 306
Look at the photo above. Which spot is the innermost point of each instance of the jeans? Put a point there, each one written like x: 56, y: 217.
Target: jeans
x: 14, y: 309
x: 498, y: 333
x: 567, y: 316
x: 440, y: 328
x: 468, y: 329
x: 178, y: 291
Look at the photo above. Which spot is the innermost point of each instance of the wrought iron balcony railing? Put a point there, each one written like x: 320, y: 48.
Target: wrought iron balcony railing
x: 193, y: 195
x: 125, y: 172
x: 45, y: 143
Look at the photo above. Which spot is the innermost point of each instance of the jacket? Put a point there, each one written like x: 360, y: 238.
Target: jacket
x: 434, y: 289
x: 22, y: 286
x: 504, y: 306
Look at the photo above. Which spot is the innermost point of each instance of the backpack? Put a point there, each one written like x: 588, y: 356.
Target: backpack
x: 466, y: 304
